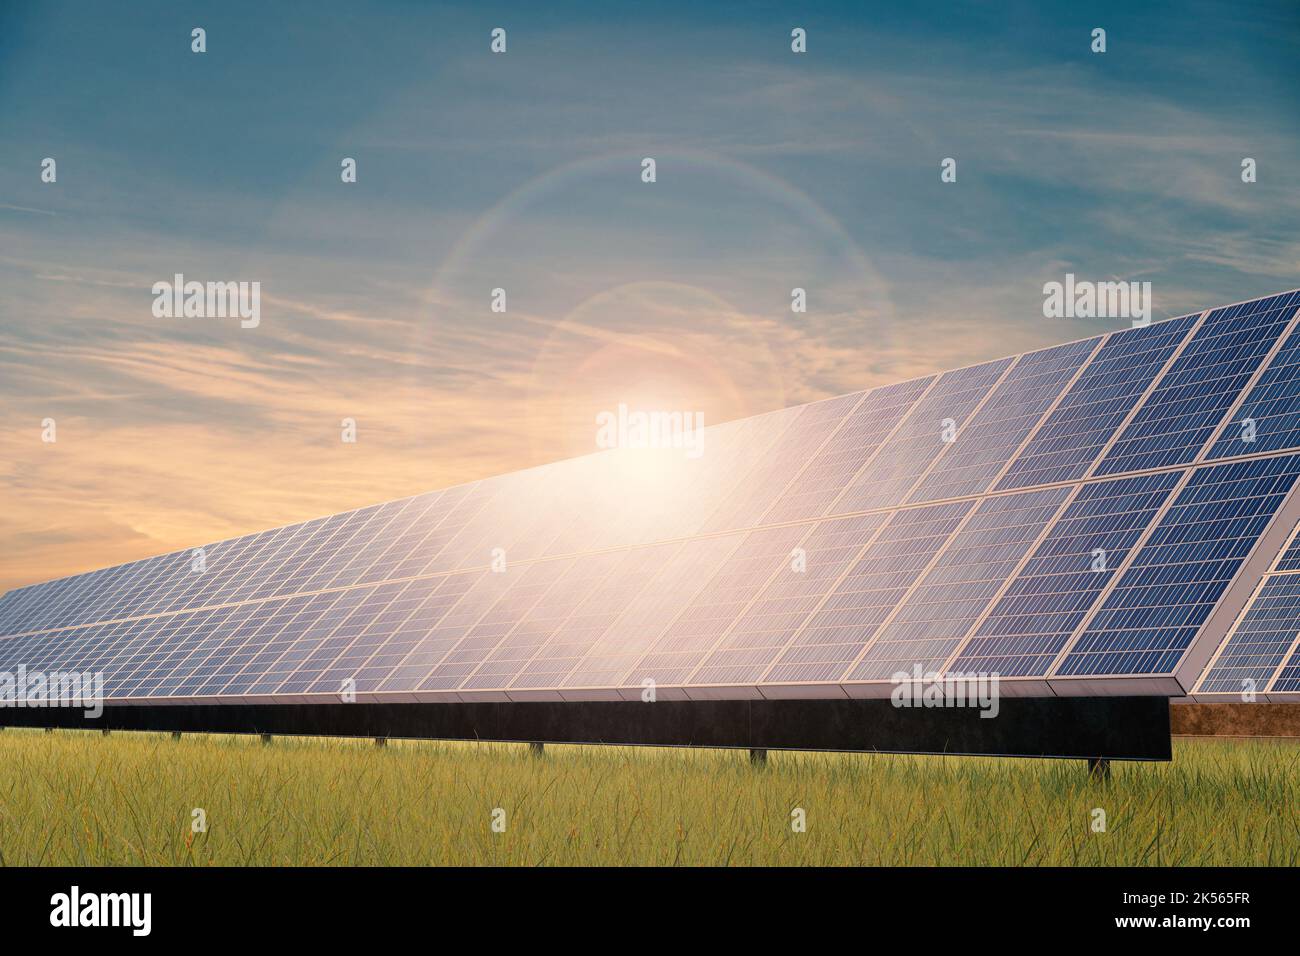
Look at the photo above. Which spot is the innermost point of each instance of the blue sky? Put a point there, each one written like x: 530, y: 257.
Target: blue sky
x: 521, y: 171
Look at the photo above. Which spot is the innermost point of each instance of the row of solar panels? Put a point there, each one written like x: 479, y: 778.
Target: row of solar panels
x: 1053, y: 587
x: 865, y: 451
x: 1036, y: 584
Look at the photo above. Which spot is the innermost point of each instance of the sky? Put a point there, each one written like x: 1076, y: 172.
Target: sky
x: 523, y: 171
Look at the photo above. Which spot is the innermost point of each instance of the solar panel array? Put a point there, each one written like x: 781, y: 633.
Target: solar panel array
x: 1075, y: 519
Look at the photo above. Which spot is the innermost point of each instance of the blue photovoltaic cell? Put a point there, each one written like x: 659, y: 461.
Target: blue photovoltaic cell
x: 1272, y: 404
x: 702, y: 623
x: 1067, y: 443
x: 319, y: 644
x: 70, y: 600
x: 480, y: 633
x: 237, y: 575
x: 270, y: 662
x: 92, y: 597
x: 475, y: 595
x: 543, y: 621
x: 846, y: 451
x: 515, y: 500
x: 1259, y: 642
x: 272, y: 576
x: 341, y: 655
x: 14, y: 604
x: 970, y: 571
x: 904, y: 457
x: 227, y: 660
x: 417, y: 643
x: 1033, y: 620
x: 677, y: 581
x: 1189, y: 402
x: 198, y: 575
x: 595, y: 616
x: 850, y: 615
x: 139, y: 671
x: 1179, y: 574
x: 968, y: 465
x: 407, y: 532
x: 289, y: 567
x: 1288, y: 678
x: 787, y: 601
x: 1289, y: 559
x: 22, y: 650
x: 445, y: 523
x: 768, y: 479
x: 145, y: 587
x: 376, y: 649
x: 128, y: 643
x: 230, y: 660
x: 286, y: 560
x: 131, y: 644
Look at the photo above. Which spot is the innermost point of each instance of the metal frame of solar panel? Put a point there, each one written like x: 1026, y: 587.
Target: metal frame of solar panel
x: 1104, y: 518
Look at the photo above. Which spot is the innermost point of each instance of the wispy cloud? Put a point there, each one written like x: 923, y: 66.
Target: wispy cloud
x: 522, y: 172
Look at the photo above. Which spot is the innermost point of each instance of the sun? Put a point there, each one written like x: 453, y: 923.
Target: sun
x: 691, y: 354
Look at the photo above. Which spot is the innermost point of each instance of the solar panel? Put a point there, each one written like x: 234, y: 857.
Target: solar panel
x: 980, y: 450
x: 769, y: 478
x: 1287, y: 680
x: 853, y: 610
x: 676, y: 582
x: 924, y: 433
x: 932, y: 619
x: 1269, y: 416
x: 1111, y: 384
x: 1048, y: 598
x: 1258, y: 655
x: 700, y: 623
x: 1177, y: 576
x: 415, y: 642
x: 1072, y: 517
x: 1188, y: 404
x: 857, y: 439
x: 789, y: 599
x: 1289, y: 558
x: 1260, y: 642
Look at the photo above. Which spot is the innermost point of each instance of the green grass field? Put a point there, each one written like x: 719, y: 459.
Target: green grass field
x: 78, y: 798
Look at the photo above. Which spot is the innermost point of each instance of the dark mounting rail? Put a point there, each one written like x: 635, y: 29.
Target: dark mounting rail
x: 1090, y: 728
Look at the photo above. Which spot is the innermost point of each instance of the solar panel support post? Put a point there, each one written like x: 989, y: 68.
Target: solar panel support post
x: 536, y: 748
x: 266, y: 739
x: 758, y: 757
x: 381, y: 741
x: 106, y: 731
x: 1099, y: 769
x: 176, y: 735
